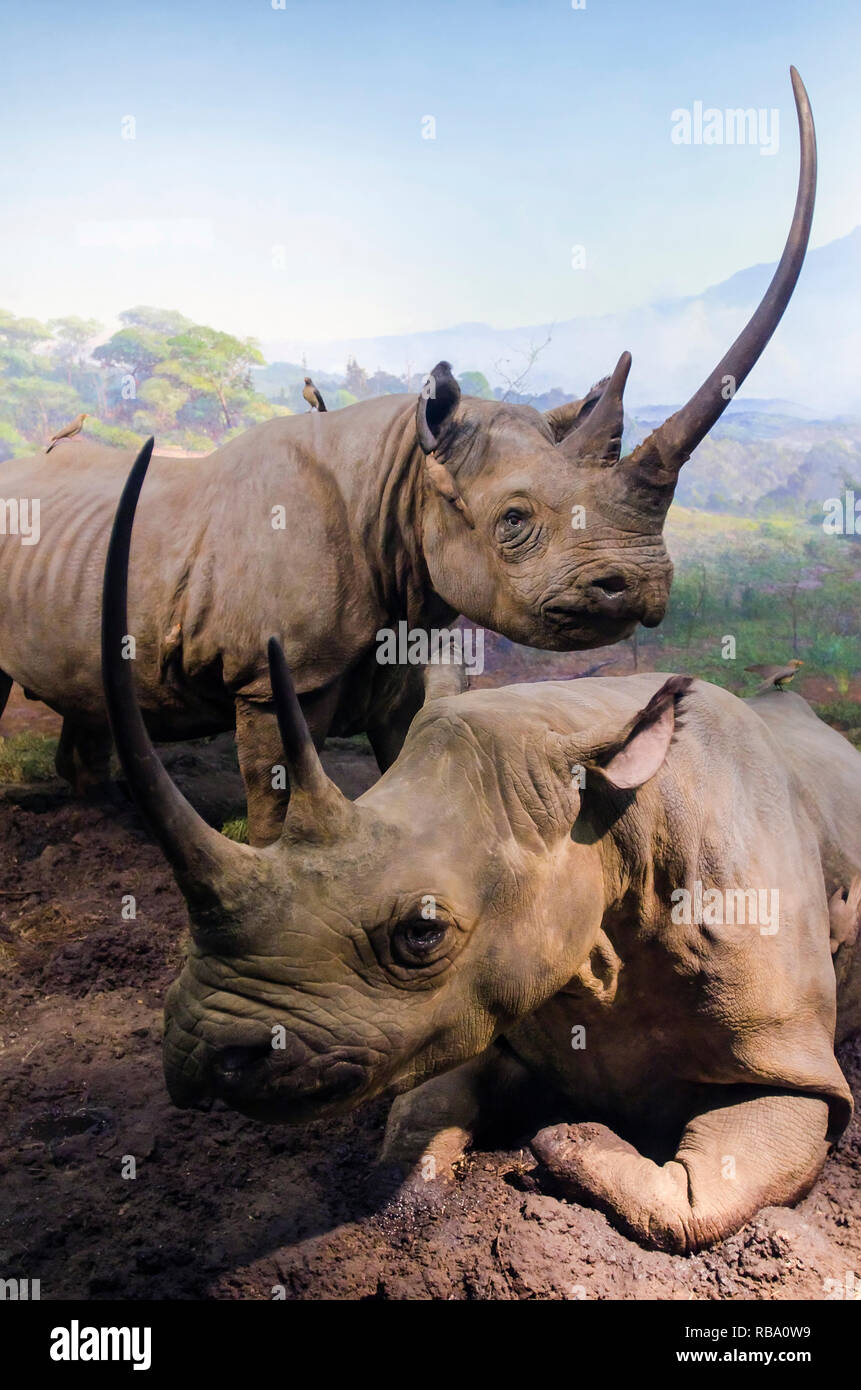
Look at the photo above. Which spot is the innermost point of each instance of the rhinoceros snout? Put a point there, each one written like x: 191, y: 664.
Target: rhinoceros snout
x: 232, y: 1065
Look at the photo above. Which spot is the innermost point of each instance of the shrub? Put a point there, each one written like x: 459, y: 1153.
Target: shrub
x: 27, y: 758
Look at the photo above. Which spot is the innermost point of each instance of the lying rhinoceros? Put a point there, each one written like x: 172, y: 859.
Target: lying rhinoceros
x: 331, y: 528
x: 561, y: 884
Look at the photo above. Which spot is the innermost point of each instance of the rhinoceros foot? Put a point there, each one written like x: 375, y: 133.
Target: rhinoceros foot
x: 589, y: 1163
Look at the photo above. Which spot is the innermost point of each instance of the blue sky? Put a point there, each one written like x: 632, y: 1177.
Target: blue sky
x: 280, y: 165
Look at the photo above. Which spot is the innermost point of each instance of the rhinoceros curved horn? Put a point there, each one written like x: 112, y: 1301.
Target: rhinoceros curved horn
x: 654, y: 465
x: 563, y: 418
x: 317, y: 808
x: 437, y: 402
x: 597, y: 443
x: 202, y: 859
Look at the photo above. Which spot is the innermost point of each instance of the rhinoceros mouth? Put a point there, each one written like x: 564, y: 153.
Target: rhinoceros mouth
x: 260, y: 1082
x: 588, y: 627
x: 288, y: 1099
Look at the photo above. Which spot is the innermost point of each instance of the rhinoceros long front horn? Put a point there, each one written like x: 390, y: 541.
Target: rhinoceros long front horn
x: 204, y: 862
x: 652, y: 469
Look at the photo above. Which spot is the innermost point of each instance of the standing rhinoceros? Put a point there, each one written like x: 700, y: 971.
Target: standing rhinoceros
x: 561, y: 883
x: 395, y: 512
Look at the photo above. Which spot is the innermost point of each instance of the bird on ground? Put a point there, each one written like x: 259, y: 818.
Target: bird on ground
x: 68, y: 431
x: 775, y: 677
x: 312, y: 395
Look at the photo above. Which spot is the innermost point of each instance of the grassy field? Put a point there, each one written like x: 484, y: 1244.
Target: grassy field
x: 27, y: 757
x: 750, y: 591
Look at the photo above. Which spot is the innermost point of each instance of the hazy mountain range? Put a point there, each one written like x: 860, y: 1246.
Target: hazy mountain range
x: 813, y: 358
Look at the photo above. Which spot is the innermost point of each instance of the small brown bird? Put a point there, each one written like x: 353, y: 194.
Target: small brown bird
x: 312, y: 395
x: 775, y: 677
x: 68, y: 431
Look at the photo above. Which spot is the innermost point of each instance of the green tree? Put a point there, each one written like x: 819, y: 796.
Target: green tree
x: 164, y: 323
x: 142, y: 343
x: 39, y: 405
x: 356, y: 380
x: 19, y: 339
x: 213, y: 364
x: 12, y: 444
x: 384, y: 384
x: 72, y: 337
x: 475, y: 384
x: 163, y: 400
x: 134, y: 350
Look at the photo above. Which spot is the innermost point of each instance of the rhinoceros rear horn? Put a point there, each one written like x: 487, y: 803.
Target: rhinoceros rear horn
x: 208, y: 867
x: 437, y: 402
x: 653, y: 468
x: 597, y: 442
x: 317, y: 810
x: 563, y: 418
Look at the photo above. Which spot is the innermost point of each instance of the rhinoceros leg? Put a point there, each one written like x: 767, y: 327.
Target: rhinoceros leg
x: 733, y: 1159
x: 429, y: 1128
x: 386, y: 735
x: 258, y: 744
x: 83, y: 756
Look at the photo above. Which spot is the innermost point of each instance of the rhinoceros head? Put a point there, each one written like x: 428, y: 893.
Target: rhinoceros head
x: 379, y: 942
x: 537, y: 527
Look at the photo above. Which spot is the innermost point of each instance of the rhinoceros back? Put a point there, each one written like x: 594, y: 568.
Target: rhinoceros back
x: 826, y: 775
x: 50, y: 590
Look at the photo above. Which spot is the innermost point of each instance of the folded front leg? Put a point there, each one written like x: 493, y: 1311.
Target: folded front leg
x: 431, y: 1127
x: 750, y: 1149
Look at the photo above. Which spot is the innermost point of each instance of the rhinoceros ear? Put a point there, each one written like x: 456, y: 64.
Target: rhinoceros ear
x: 639, y: 752
x: 438, y: 400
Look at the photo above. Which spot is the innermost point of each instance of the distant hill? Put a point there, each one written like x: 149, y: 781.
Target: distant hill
x: 755, y: 462
x: 812, y: 358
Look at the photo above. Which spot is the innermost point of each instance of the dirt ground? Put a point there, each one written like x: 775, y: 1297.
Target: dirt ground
x: 224, y: 1208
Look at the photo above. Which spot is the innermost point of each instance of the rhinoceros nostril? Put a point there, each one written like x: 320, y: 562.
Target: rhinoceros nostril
x: 611, y: 584
x: 233, y: 1061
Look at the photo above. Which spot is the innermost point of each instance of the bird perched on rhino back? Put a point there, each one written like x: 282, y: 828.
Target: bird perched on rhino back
x: 775, y: 677
x: 68, y: 431
x: 312, y: 395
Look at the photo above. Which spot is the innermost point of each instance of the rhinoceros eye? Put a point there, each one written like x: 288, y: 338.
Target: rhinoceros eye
x: 417, y: 941
x: 512, y: 525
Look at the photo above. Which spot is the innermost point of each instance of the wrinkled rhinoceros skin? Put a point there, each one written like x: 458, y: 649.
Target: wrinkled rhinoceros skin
x: 560, y: 912
x: 509, y: 882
